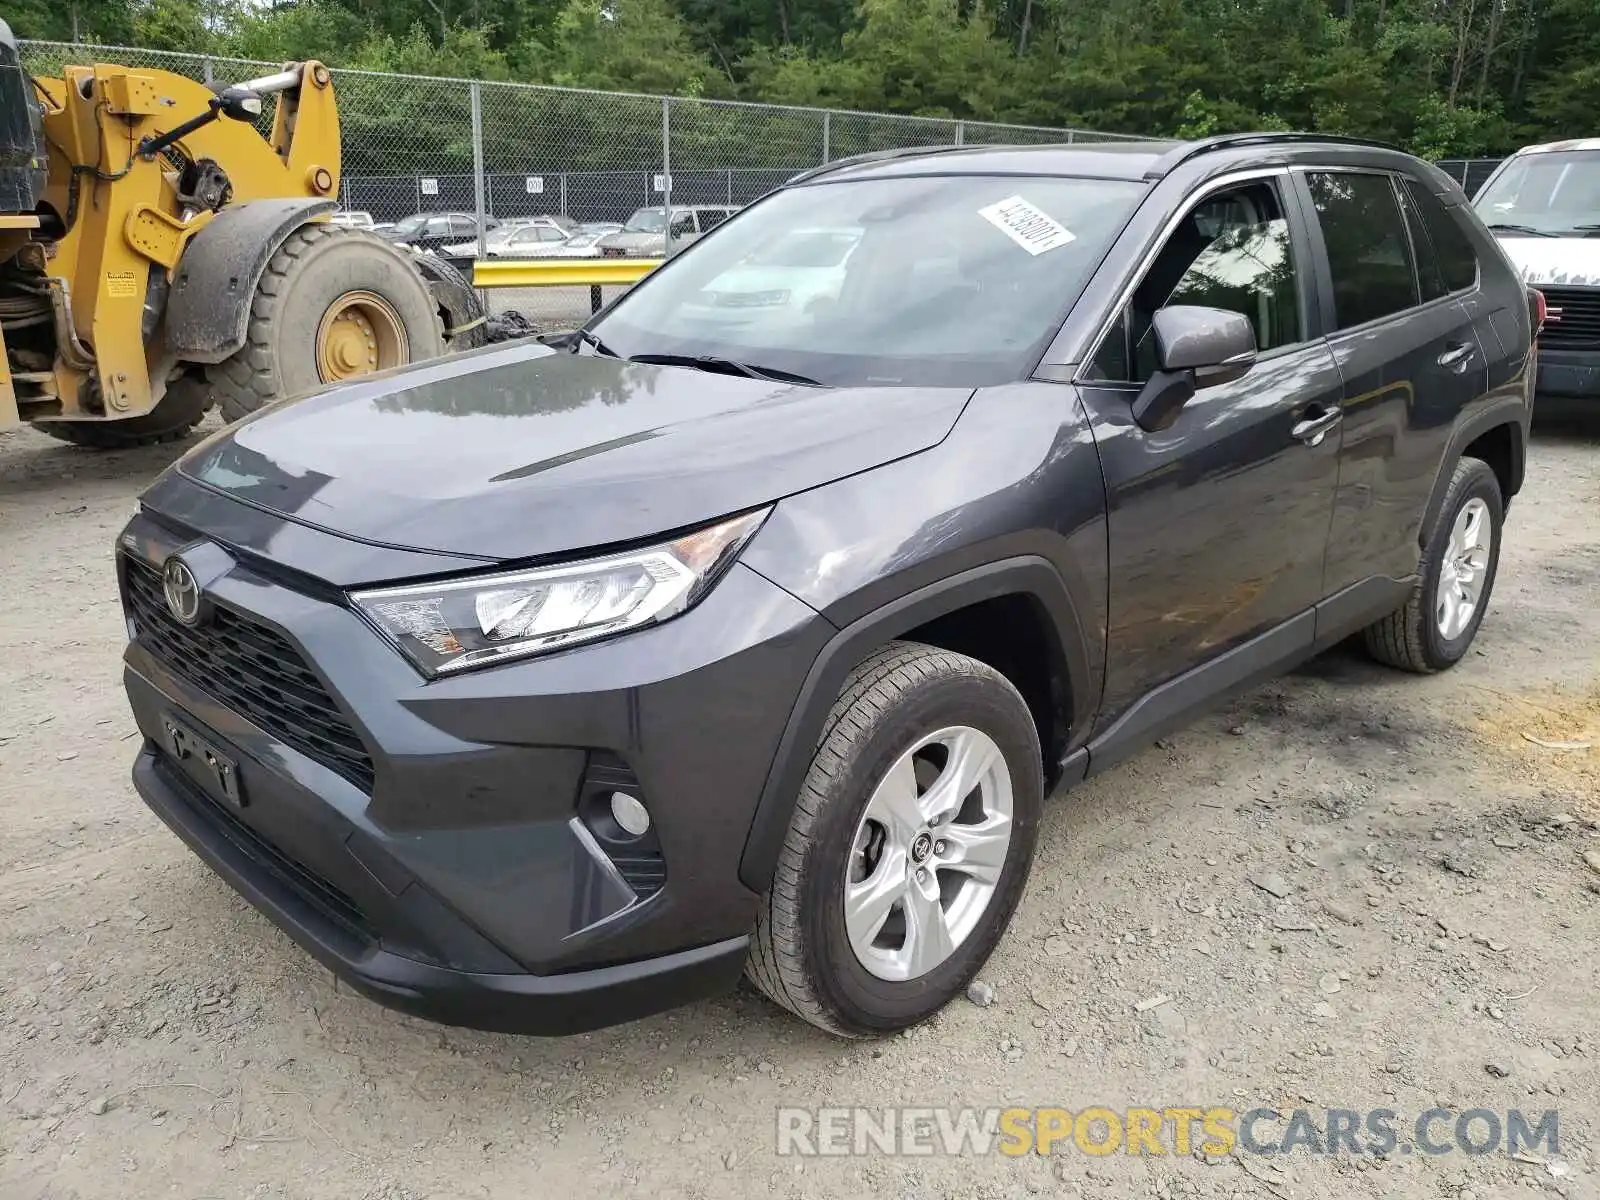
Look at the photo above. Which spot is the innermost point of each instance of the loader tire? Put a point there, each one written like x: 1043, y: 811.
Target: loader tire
x: 175, y: 414
x: 334, y: 303
x: 465, y: 323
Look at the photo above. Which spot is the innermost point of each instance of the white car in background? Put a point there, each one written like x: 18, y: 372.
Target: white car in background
x: 582, y: 244
x: 523, y: 230
x: 784, y: 282
x: 1543, y: 206
x: 353, y: 218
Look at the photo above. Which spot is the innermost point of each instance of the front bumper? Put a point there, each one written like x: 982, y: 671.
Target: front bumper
x: 1573, y: 374
x: 507, y: 1002
x: 461, y: 884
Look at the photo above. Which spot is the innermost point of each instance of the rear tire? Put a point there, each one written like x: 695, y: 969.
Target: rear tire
x: 317, y: 268
x: 1429, y: 632
x: 175, y: 414
x: 842, y: 963
x: 466, y: 325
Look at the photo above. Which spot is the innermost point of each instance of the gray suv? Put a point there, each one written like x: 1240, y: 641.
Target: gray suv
x: 548, y: 685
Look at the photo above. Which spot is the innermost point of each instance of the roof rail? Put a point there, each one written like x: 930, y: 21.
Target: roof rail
x: 1225, y: 141
x: 877, y: 156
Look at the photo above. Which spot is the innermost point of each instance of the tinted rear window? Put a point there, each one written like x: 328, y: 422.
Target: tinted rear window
x: 1429, y: 276
x: 1457, y: 260
x: 1369, y: 254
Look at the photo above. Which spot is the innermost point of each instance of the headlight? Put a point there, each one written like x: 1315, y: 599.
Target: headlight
x: 462, y: 623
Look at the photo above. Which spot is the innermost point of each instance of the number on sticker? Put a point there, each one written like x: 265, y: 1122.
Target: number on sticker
x: 1031, y: 228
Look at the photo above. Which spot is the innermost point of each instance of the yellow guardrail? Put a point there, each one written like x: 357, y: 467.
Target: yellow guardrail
x: 560, y: 272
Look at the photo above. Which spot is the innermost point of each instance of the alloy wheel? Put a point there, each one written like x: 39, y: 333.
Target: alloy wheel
x: 1462, y: 571
x: 928, y: 853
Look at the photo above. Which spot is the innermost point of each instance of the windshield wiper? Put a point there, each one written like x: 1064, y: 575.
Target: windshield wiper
x: 593, y: 341
x: 1528, y: 229
x: 726, y: 366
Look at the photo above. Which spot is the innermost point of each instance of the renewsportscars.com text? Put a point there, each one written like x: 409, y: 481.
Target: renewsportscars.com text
x: 1177, y: 1129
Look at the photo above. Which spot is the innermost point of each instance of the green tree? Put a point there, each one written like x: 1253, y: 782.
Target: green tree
x: 626, y: 46
x: 1443, y: 77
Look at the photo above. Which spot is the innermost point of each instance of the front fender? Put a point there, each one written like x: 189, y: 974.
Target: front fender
x: 208, y: 311
x: 1028, y: 575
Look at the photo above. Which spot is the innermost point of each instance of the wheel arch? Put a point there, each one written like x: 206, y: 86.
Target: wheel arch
x: 1044, y: 656
x: 208, y: 311
x: 1498, y: 436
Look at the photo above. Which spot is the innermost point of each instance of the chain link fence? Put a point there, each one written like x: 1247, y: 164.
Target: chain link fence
x: 505, y: 150
x: 422, y: 144
x: 1470, y: 173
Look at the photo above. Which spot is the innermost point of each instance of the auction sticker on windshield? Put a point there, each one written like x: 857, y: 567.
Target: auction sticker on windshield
x: 1031, y: 228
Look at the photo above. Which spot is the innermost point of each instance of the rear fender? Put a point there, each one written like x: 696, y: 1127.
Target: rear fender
x: 1507, y: 410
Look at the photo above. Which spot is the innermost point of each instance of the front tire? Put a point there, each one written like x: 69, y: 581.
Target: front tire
x: 1434, y: 628
x: 910, y: 844
x: 334, y: 303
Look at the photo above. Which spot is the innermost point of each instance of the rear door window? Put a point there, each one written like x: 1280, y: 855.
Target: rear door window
x: 1429, y: 276
x: 1458, y: 261
x: 1369, y: 252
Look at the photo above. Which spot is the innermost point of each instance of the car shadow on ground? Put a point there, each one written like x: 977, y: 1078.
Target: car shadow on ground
x: 1574, y: 422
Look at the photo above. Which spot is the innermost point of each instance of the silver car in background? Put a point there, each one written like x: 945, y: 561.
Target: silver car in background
x: 645, y: 235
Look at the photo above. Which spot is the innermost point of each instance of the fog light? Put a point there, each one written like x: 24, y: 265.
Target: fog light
x: 632, y: 816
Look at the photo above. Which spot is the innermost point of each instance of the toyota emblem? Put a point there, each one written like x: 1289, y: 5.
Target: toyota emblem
x: 182, y: 591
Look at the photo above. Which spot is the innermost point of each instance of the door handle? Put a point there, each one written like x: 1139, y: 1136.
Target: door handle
x: 1313, y: 429
x: 1457, y: 356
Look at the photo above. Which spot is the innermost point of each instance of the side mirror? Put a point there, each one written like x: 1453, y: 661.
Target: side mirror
x: 1197, y: 348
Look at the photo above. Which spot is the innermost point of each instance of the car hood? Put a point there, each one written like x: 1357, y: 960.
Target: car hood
x: 1555, y: 262
x: 520, y: 451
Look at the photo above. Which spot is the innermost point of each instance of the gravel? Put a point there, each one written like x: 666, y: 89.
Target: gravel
x: 177, y: 1003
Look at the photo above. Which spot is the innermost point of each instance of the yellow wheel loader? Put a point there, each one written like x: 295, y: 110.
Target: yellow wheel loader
x: 158, y: 255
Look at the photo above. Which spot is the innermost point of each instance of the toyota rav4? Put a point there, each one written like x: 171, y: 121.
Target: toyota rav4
x: 554, y: 684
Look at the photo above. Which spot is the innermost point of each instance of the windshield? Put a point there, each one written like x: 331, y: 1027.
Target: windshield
x: 957, y: 280
x: 411, y: 224
x: 819, y: 248
x: 1551, y: 192
x: 646, y: 220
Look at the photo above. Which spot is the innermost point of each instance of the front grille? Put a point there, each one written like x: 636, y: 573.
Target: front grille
x: 1578, y: 327
x: 252, y: 670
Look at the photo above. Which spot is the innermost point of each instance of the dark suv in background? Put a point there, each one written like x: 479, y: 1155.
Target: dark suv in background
x: 549, y: 685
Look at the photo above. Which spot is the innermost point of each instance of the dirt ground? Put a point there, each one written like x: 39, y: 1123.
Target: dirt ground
x: 1435, y: 943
